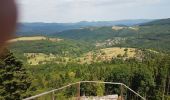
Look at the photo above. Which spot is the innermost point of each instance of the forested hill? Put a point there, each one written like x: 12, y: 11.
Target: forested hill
x: 96, y: 33
x: 158, y: 22
x: 155, y: 36
x: 27, y: 29
x: 157, y: 33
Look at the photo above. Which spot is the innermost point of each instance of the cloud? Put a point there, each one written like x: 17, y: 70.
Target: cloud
x: 77, y: 10
x: 85, y: 2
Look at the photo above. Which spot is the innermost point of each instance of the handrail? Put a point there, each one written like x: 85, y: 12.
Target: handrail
x: 114, y: 83
x: 39, y: 95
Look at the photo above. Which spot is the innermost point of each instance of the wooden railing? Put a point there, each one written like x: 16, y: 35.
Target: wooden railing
x: 78, y: 89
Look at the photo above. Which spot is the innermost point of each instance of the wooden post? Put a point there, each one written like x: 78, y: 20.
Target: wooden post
x: 78, y: 91
x: 121, y: 87
x: 168, y: 88
x: 53, y: 95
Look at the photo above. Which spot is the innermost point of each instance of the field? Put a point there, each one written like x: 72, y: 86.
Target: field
x: 117, y: 28
x: 35, y: 38
x: 108, y: 54
x: 120, y: 28
x: 38, y: 58
x: 105, y: 54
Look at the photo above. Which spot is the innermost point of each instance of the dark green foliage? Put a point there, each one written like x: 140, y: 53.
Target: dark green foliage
x: 14, y: 80
x: 93, y: 34
x: 151, y: 36
x: 158, y: 22
x: 63, y: 48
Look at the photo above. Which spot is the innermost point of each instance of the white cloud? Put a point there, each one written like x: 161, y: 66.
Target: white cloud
x: 83, y: 2
x: 76, y: 10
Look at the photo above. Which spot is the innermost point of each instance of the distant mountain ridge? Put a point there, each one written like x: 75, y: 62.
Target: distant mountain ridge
x: 48, y: 28
x: 158, y: 22
x: 150, y: 36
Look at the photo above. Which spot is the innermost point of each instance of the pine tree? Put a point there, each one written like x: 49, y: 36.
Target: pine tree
x: 14, y: 80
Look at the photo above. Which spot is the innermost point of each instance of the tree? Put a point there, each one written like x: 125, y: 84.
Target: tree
x: 100, y: 89
x: 14, y: 80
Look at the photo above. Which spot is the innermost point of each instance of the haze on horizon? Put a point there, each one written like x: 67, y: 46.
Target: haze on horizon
x: 64, y: 11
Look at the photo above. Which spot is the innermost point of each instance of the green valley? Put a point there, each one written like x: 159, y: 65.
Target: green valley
x: 136, y: 55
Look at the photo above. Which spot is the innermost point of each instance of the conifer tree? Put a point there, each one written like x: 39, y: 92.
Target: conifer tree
x: 14, y: 80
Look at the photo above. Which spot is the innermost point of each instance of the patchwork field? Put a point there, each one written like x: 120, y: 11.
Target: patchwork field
x: 108, y: 54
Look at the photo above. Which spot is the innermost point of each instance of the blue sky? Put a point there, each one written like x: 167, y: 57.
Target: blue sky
x: 62, y: 11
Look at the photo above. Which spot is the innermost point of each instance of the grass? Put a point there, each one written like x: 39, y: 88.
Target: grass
x: 38, y: 58
x: 35, y: 38
x: 105, y: 54
x: 117, y: 28
x: 108, y: 54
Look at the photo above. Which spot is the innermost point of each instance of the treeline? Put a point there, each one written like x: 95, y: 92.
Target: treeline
x: 62, y: 48
x: 149, y: 77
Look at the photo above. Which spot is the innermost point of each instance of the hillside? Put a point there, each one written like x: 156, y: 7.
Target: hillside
x: 158, y: 22
x: 34, y: 38
x: 96, y: 33
x: 108, y: 54
x: 78, y: 42
x: 155, y: 37
x: 150, y: 36
x: 48, y: 45
x: 100, y: 55
x: 28, y: 29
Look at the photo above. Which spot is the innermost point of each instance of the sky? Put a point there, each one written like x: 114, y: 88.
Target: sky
x: 66, y: 11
